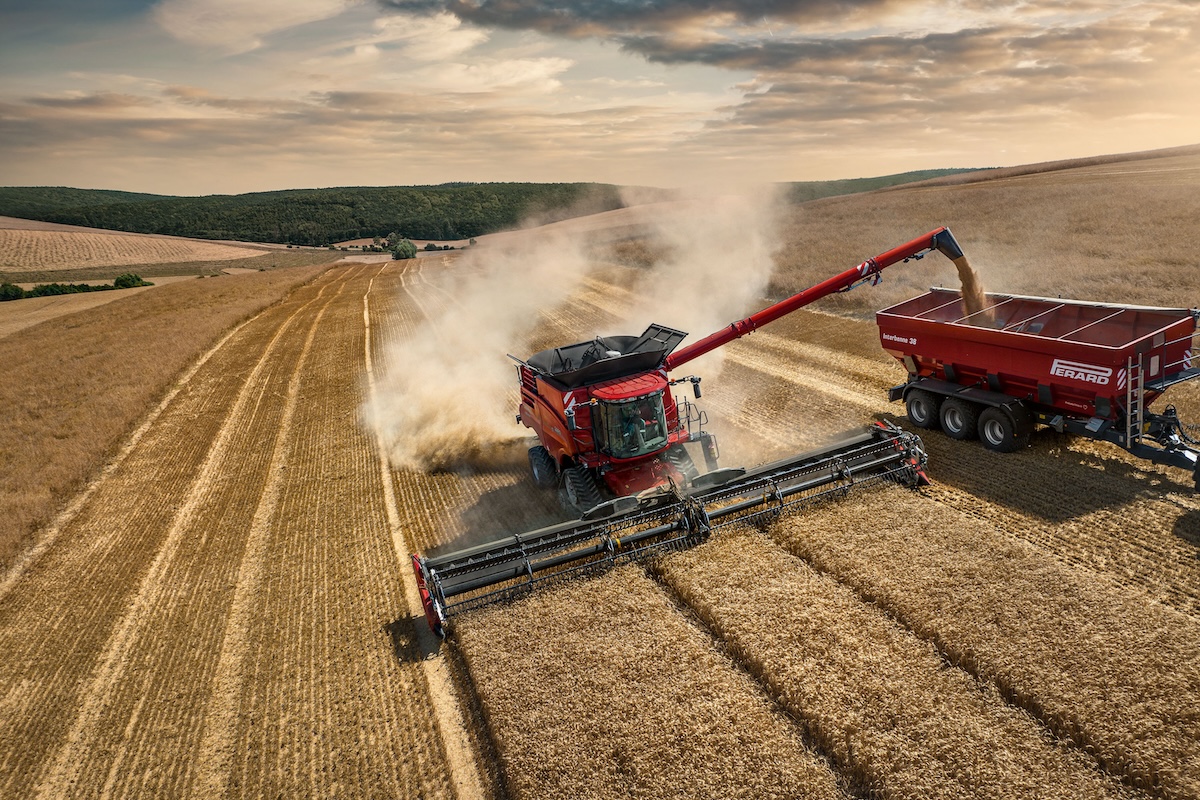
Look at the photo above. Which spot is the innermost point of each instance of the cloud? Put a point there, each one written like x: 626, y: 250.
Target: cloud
x: 427, y: 38
x: 603, y: 18
x: 235, y: 26
x: 92, y: 102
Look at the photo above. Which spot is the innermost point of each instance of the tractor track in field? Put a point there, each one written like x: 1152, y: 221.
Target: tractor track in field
x: 224, y: 612
x: 438, y: 674
x: 154, y: 609
x: 45, y: 671
x: 807, y: 369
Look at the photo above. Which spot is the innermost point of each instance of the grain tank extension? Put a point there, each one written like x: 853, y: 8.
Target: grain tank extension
x: 1091, y: 369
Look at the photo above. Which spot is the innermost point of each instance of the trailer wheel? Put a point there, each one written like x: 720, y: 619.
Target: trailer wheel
x: 542, y: 467
x: 959, y: 418
x: 923, y: 408
x: 579, y: 491
x: 1004, y: 432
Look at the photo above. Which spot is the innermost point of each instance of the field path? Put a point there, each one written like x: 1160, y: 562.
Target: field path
x: 224, y: 614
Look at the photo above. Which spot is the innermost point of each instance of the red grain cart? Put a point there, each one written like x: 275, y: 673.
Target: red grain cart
x: 1091, y: 369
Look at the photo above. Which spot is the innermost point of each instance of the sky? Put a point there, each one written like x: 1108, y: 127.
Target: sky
x: 200, y: 97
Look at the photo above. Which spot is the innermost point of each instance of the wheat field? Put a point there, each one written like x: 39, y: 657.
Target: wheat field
x: 218, y: 601
x: 26, y: 250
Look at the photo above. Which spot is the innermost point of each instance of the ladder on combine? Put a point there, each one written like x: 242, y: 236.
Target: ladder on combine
x: 1135, y: 401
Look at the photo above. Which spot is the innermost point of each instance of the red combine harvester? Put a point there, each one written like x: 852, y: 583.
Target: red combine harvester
x: 1091, y: 369
x: 612, y: 440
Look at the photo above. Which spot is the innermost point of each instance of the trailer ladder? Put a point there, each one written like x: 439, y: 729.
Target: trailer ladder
x: 1135, y: 397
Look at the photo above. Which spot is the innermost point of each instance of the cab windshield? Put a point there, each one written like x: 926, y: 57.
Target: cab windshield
x: 631, y: 428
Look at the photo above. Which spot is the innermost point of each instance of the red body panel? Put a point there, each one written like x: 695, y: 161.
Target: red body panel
x: 544, y: 405
x: 1077, y: 352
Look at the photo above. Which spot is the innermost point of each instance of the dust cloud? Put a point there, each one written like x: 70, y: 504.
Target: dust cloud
x: 447, y: 395
x: 718, y: 256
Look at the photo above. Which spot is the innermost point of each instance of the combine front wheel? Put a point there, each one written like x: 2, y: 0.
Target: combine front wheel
x: 579, y: 491
x: 682, y: 461
x: 543, y: 468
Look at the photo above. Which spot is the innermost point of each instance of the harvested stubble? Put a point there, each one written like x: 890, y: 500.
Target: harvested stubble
x: 51, y: 250
x: 602, y: 688
x: 219, y: 617
x: 1109, y: 668
x: 879, y: 700
x: 74, y: 386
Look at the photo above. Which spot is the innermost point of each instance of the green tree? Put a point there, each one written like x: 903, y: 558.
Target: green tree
x: 404, y: 249
x: 129, y: 280
x: 10, y: 291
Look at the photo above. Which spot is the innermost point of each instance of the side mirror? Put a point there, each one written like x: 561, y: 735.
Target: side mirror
x: 571, y: 426
x: 696, y: 387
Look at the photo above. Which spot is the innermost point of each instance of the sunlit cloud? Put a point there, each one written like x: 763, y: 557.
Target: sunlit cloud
x: 237, y: 96
x: 236, y: 26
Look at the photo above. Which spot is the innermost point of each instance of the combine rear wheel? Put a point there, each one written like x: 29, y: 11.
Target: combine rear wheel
x: 959, y: 418
x: 1004, y: 432
x: 579, y: 491
x: 542, y: 467
x: 923, y: 408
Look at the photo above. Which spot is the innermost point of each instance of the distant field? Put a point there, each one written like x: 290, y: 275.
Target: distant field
x: 47, y: 251
x: 1121, y: 232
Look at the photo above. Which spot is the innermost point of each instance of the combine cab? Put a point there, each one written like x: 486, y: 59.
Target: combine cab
x: 618, y: 447
x: 607, y: 422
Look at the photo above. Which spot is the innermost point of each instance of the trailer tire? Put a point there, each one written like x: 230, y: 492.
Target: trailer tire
x: 1004, y: 431
x: 959, y: 418
x: 579, y: 491
x: 542, y: 467
x: 923, y: 408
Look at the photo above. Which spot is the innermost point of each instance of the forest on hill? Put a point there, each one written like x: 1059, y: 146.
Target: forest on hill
x: 322, y: 216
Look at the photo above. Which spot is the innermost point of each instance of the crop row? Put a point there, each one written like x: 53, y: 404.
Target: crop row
x: 881, y: 702
x: 49, y: 250
x: 1108, y: 668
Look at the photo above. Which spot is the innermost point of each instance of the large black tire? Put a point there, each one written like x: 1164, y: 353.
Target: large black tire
x: 682, y: 461
x: 959, y: 418
x: 578, y: 490
x: 1003, y: 431
x: 712, y: 454
x: 923, y: 408
x: 543, y: 468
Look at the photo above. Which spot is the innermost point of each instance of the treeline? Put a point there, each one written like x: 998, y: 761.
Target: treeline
x: 318, y: 217
x: 10, y: 291
x: 34, y: 202
x: 323, y: 216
